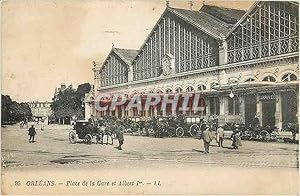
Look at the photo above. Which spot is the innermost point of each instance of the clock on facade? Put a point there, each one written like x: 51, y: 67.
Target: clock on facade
x: 167, y: 64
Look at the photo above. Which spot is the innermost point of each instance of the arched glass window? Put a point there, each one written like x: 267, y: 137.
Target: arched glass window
x: 178, y: 90
x: 201, y: 87
x: 250, y: 80
x: 289, y: 77
x: 169, y: 90
x: 189, y: 89
x: 213, y: 84
x: 269, y: 79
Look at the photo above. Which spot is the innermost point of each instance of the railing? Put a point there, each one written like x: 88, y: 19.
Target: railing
x: 264, y: 49
x: 197, y: 63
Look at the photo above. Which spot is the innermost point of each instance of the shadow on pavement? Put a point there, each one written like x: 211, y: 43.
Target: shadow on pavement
x: 198, y: 150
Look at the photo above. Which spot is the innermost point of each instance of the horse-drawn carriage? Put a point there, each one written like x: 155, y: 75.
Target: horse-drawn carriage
x: 168, y: 126
x: 264, y: 134
x: 191, y: 126
x: 87, y: 131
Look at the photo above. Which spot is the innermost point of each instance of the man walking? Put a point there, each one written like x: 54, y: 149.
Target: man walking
x: 220, y: 135
x: 31, y: 133
x: 207, y: 138
x: 120, y: 137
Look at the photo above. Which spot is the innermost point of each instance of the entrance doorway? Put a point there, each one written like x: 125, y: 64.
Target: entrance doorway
x: 289, y: 107
x: 268, y: 112
x: 250, y: 109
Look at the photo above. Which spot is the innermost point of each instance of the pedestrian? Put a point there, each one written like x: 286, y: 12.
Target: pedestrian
x: 207, y: 138
x: 215, y: 122
x: 21, y: 124
x: 255, y: 122
x: 31, y: 133
x: 236, y: 139
x: 220, y: 135
x: 120, y: 137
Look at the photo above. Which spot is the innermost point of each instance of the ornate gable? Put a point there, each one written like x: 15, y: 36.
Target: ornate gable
x: 269, y: 28
x: 191, y: 37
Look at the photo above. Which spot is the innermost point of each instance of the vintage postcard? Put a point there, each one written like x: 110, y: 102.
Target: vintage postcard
x: 150, y: 97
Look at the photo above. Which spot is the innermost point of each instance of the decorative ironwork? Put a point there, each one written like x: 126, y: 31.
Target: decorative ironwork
x: 271, y: 29
x: 191, y: 48
x: 115, y: 71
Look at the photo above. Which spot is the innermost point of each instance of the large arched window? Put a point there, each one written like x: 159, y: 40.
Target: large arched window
x: 178, y: 90
x: 212, y: 85
x: 250, y: 80
x: 289, y: 77
x: 169, y: 90
x: 201, y: 87
x: 189, y: 89
x: 269, y: 79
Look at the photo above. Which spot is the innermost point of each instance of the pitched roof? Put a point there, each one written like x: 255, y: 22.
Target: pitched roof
x: 127, y: 55
x: 243, y: 17
x: 250, y: 10
x: 204, y: 21
x: 228, y: 15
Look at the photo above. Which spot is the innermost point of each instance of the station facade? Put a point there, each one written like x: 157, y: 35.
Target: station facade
x: 244, y: 63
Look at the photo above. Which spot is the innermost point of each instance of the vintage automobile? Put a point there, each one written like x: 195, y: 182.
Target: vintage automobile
x: 85, y: 131
x: 192, y: 126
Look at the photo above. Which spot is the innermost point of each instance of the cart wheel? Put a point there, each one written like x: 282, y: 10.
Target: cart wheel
x: 194, y: 129
x: 179, y: 132
x: 72, y: 137
x: 88, y: 139
x: 264, y: 136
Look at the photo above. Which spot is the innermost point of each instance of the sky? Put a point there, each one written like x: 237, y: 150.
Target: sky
x: 49, y: 42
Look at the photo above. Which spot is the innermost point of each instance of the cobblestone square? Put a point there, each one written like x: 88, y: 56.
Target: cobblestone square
x: 145, y: 154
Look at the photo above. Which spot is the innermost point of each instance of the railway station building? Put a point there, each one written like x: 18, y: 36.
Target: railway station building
x: 244, y: 63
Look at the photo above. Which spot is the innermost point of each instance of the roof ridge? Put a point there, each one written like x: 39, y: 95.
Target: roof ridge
x: 222, y: 7
x: 184, y: 9
x: 213, y: 34
x: 217, y: 19
x: 125, y: 49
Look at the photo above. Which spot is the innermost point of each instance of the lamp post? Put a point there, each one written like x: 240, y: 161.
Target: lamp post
x: 231, y: 95
x: 83, y: 107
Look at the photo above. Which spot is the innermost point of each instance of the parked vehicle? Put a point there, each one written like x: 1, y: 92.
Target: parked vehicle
x: 292, y: 127
x: 85, y: 131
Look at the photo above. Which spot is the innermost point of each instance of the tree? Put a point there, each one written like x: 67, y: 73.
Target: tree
x: 13, y: 111
x: 68, y: 103
x: 6, y: 103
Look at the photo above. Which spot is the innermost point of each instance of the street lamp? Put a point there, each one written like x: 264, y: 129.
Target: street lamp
x: 231, y: 95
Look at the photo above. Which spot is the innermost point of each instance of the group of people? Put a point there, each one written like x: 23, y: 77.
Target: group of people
x: 23, y: 124
x: 208, y: 137
x: 110, y: 129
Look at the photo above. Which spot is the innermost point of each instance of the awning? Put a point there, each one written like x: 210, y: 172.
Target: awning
x: 256, y: 86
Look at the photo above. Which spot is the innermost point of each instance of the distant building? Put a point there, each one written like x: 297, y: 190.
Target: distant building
x: 40, y: 110
x: 62, y: 87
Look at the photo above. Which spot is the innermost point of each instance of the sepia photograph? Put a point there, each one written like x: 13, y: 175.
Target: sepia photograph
x: 149, y: 97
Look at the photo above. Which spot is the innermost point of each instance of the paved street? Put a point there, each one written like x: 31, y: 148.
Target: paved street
x: 53, y: 150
